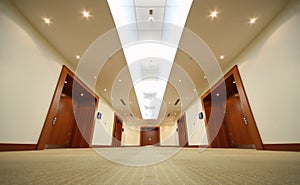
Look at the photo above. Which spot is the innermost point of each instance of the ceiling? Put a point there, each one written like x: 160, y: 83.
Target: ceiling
x: 228, y: 34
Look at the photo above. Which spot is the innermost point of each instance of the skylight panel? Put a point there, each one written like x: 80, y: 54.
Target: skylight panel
x: 150, y: 31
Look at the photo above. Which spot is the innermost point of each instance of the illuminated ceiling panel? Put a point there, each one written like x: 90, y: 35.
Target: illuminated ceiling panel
x: 150, y: 32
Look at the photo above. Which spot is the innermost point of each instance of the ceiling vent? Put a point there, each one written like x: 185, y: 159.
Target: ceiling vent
x: 123, y: 102
x: 177, y: 101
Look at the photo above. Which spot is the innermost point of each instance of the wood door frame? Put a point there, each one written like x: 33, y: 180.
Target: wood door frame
x: 141, y: 135
x: 244, y: 105
x: 113, y: 141
x: 55, y: 103
x: 185, y: 129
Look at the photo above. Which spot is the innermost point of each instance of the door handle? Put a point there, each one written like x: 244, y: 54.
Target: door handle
x: 54, y: 121
x: 245, y: 121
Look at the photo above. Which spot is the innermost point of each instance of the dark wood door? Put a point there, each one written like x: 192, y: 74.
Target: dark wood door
x: 117, y: 132
x: 233, y: 132
x: 61, y: 131
x: 239, y: 132
x: 150, y: 136
x: 84, y: 127
x: 182, y: 133
x: 217, y: 132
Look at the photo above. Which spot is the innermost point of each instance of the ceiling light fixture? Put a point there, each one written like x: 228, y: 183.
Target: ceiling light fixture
x: 222, y: 57
x: 213, y: 14
x: 86, y: 14
x: 78, y: 57
x: 47, y: 20
x: 94, y: 77
x: 105, y: 90
x: 151, y: 19
x: 252, y: 20
x: 81, y: 94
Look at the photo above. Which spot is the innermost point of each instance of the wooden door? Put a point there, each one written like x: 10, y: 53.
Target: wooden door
x: 233, y: 132
x: 61, y: 131
x: 117, y: 132
x: 217, y: 132
x: 57, y: 128
x: 182, y: 133
x: 238, y: 130
x: 150, y: 136
x: 84, y: 127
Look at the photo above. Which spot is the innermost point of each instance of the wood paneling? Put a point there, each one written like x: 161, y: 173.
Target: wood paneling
x: 150, y: 136
x: 16, y: 147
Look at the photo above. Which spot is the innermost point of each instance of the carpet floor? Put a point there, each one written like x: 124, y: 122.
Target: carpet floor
x: 187, y: 166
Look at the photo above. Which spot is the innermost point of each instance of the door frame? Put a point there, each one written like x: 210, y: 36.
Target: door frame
x: 244, y: 105
x: 141, y: 134
x: 55, y: 104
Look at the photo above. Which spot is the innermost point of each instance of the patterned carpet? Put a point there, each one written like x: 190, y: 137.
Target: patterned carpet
x: 188, y: 166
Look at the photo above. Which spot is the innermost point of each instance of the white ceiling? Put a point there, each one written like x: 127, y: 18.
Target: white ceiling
x: 228, y: 34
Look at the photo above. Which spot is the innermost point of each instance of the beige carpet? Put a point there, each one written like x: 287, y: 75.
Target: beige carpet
x: 189, y: 166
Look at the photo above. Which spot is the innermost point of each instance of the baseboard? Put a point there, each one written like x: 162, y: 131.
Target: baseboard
x: 197, y: 146
x: 283, y: 147
x: 16, y: 147
x: 101, y: 146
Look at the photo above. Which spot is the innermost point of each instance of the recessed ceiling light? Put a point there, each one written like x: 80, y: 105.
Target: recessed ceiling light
x: 194, y: 90
x: 86, y: 14
x: 233, y: 82
x: 252, y: 20
x: 120, y: 80
x: 204, y: 77
x: 218, y: 94
x: 222, y: 57
x: 151, y: 19
x: 66, y: 82
x: 179, y: 80
x: 81, y: 94
x: 77, y: 56
x: 213, y: 14
x: 105, y: 90
x: 94, y: 77
x: 47, y: 20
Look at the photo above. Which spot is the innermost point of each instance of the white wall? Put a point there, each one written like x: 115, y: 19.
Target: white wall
x: 130, y: 136
x: 196, y: 127
x: 168, y: 135
x: 104, y: 126
x: 29, y: 70
x: 270, y: 70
